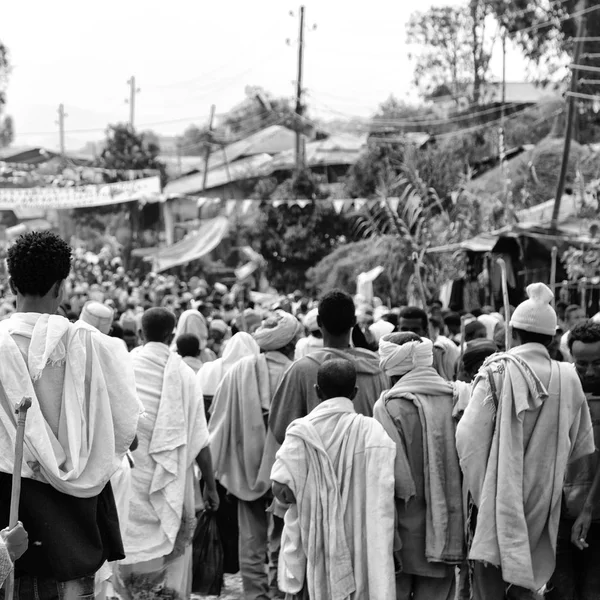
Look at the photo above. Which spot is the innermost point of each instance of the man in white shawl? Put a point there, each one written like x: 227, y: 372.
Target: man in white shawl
x: 172, y: 435
x: 417, y: 414
x: 82, y: 421
x: 527, y: 420
x: 243, y: 449
x: 336, y: 469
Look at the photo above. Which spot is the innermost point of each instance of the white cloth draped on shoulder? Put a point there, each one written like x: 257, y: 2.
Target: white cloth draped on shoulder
x: 171, y: 434
x: 98, y: 412
x: 211, y: 374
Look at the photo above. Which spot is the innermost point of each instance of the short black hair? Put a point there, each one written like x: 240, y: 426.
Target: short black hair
x: 188, y: 344
x: 587, y: 333
x: 529, y: 337
x: 403, y: 337
x: 38, y: 260
x: 472, y: 328
x: 336, y: 312
x: 452, y: 319
x: 437, y: 323
x: 414, y: 313
x: 158, y: 324
x: 571, y: 309
x: 337, y: 378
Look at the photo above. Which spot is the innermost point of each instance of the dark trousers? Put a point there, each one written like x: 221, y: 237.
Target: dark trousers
x: 40, y: 588
x: 577, y: 572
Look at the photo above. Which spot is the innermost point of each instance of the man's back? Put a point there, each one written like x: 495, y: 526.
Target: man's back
x: 361, y: 456
x: 296, y: 395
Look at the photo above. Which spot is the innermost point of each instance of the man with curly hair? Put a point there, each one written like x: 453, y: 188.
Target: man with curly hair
x: 82, y: 421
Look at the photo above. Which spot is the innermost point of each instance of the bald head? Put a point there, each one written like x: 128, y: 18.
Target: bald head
x: 336, y: 379
x: 158, y: 325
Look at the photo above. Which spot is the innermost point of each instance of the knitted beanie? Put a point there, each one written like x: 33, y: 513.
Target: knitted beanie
x: 536, y: 315
x: 98, y: 315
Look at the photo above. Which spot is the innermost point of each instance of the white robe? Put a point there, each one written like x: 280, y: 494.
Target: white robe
x: 171, y: 434
x: 338, y: 464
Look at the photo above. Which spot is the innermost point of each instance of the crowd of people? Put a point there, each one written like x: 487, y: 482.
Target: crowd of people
x: 352, y: 450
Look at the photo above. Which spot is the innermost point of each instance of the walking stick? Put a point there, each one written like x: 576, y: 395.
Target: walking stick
x: 502, y: 266
x: 421, y: 290
x: 553, y: 273
x: 463, y: 327
x: 15, y: 493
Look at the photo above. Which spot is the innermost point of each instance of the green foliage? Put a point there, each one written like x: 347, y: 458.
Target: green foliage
x: 581, y: 263
x: 293, y: 239
x: 7, y: 132
x: 453, y: 48
x: 341, y: 268
x: 194, y: 141
x: 126, y: 149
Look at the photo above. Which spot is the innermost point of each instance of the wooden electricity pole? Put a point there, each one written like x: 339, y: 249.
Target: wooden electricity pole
x: 571, y: 106
x: 61, y: 128
x: 299, y: 107
x: 132, y: 93
x: 207, y: 153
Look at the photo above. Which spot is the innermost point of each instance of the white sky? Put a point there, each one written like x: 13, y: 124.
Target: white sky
x: 188, y: 54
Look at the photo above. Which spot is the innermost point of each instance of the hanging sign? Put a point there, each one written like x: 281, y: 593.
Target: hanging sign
x: 141, y: 190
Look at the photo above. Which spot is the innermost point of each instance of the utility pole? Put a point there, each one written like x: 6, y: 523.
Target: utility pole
x: 571, y: 106
x: 207, y: 155
x: 132, y: 93
x: 502, y: 137
x: 299, y: 107
x: 61, y: 127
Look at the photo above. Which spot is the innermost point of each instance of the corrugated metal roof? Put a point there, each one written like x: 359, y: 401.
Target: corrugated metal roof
x: 335, y: 150
x: 245, y: 168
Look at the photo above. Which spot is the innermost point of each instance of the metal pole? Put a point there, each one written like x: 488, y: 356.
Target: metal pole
x: 299, y: 108
x: 61, y: 127
x: 581, y: 27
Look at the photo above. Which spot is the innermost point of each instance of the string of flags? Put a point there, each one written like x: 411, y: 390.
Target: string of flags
x: 339, y: 205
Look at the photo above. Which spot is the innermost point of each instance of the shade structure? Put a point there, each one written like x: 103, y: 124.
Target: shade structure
x: 192, y: 247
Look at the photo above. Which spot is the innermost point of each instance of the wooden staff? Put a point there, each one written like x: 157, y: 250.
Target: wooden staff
x: 463, y: 327
x: 553, y: 273
x: 583, y: 291
x: 420, y: 288
x: 15, y: 493
x: 500, y: 262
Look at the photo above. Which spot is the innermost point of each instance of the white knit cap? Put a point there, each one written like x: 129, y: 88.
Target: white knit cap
x: 536, y: 315
x: 97, y: 315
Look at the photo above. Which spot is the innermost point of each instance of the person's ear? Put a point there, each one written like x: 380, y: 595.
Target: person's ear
x: 13, y: 288
x: 59, y: 290
x: 353, y: 394
x: 320, y: 393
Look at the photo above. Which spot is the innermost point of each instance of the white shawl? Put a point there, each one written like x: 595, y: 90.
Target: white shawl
x: 99, y: 408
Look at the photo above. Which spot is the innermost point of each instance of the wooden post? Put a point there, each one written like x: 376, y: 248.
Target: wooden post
x: 15, y: 494
x: 570, y: 116
x: 506, y: 302
x: 553, y: 273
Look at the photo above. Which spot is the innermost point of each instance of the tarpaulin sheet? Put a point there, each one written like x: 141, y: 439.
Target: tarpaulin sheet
x: 192, y: 247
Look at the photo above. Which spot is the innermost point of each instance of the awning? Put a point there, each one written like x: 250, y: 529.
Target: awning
x: 484, y: 242
x: 192, y: 247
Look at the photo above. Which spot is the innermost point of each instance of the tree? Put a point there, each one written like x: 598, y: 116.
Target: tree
x: 455, y: 49
x: 6, y: 123
x: 259, y: 110
x: 7, y: 132
x: 194, y: 141
x: 293, y: 239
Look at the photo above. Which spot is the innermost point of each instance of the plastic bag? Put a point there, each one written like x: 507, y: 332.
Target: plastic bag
x: 207, y: 556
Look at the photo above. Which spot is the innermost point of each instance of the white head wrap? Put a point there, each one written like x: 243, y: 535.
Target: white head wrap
x: 396, y: 360
x: 381, y: 328
x: 277, y: 331
x: 97, y: 315
x: 310, y: 320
